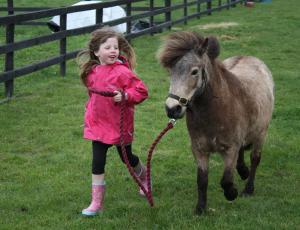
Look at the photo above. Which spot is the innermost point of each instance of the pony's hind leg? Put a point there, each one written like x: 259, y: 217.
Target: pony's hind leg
x: 230, y: 160
x: 241, y: 166
x: 255, y: 160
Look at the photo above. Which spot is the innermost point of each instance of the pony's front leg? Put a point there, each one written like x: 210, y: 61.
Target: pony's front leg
x: 230, y: 159
x: 202, y: 181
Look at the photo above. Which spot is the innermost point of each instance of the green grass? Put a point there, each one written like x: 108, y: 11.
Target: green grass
x: 45, y: 163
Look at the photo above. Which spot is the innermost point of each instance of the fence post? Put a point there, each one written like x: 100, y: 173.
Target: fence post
x: 63, y: 44
x: 220, y: 3
x: 99, y: 16
x: 185, y: 11
x: 198, y: 8
x: 234, y: 5
x: 228, y: 4
x: 9, y: 57
x: 151, y: 8
x: 128, y: 14
x: 168, y: 13
x: 208, y: 7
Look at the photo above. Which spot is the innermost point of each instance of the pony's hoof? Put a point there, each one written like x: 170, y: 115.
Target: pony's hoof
x: 231, y: 193
x: 248, y: 191
x: 243, y: 172
x: 199, y: 210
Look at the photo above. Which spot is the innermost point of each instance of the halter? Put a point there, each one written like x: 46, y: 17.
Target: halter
x: 186, y: 102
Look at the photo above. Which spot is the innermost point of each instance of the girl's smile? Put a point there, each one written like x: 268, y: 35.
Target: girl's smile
x: 108, y: 51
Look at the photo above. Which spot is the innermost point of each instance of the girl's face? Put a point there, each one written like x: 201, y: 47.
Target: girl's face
x: 108, y: 51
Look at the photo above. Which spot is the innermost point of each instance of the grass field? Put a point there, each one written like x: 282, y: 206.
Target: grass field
x: 45, y: 163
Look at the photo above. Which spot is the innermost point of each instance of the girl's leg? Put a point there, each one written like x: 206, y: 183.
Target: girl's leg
x: 98, y: 183
x: 139, y: 168
x: 133, y: 159
x: 98, y: 162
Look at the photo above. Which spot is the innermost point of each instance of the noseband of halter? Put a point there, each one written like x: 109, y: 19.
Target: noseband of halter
x: 186, y: 102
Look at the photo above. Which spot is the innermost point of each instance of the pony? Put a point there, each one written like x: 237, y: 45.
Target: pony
x: 228, y: 107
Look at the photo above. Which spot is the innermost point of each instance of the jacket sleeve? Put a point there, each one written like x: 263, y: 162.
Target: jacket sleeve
x: 135, y: 88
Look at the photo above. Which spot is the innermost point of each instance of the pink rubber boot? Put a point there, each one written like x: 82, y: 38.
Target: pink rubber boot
x: 96, y: 205
x: 142, y: 177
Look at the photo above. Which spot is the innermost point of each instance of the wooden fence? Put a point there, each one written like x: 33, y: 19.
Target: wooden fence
x: 203, y: 7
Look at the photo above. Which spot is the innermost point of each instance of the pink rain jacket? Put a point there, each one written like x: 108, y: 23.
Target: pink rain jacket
x: 102, y: 114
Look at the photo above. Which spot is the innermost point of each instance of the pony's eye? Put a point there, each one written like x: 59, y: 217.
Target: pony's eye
x: 194, y: 72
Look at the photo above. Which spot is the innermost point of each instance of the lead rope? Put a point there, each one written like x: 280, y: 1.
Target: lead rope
x: 170, y: 125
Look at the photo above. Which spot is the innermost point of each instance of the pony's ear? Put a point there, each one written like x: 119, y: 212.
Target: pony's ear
x: 203, y: 48
x: 213, y: 49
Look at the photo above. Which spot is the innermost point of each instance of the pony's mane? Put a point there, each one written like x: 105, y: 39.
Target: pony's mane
x: 177, y: 45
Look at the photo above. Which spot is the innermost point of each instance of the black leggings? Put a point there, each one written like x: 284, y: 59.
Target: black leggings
x: 99, y: 156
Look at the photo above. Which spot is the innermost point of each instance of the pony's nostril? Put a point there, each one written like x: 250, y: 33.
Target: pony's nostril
x: 174, y: 112
x: 177, y: 109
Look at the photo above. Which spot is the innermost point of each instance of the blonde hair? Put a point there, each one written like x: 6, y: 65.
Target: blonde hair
x: 86, y: 59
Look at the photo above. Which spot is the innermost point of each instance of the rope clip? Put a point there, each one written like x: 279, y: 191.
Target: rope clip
x: 172, y: 121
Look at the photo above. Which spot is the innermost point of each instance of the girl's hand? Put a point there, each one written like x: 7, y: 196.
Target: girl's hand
x: 118, y: 96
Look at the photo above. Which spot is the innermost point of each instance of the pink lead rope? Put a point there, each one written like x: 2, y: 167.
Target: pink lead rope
x: 147, y: 191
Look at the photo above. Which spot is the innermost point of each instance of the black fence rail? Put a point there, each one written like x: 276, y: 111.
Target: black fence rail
x: 30, y: 16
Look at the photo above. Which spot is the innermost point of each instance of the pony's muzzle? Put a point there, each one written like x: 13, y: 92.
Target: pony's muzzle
x: 175, y: 112
x: 174, y: 109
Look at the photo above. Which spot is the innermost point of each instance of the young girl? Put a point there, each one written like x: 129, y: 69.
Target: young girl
x: 104, y: 68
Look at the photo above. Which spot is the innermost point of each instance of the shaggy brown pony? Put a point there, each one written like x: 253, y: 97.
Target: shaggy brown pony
x: 228, y: 106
